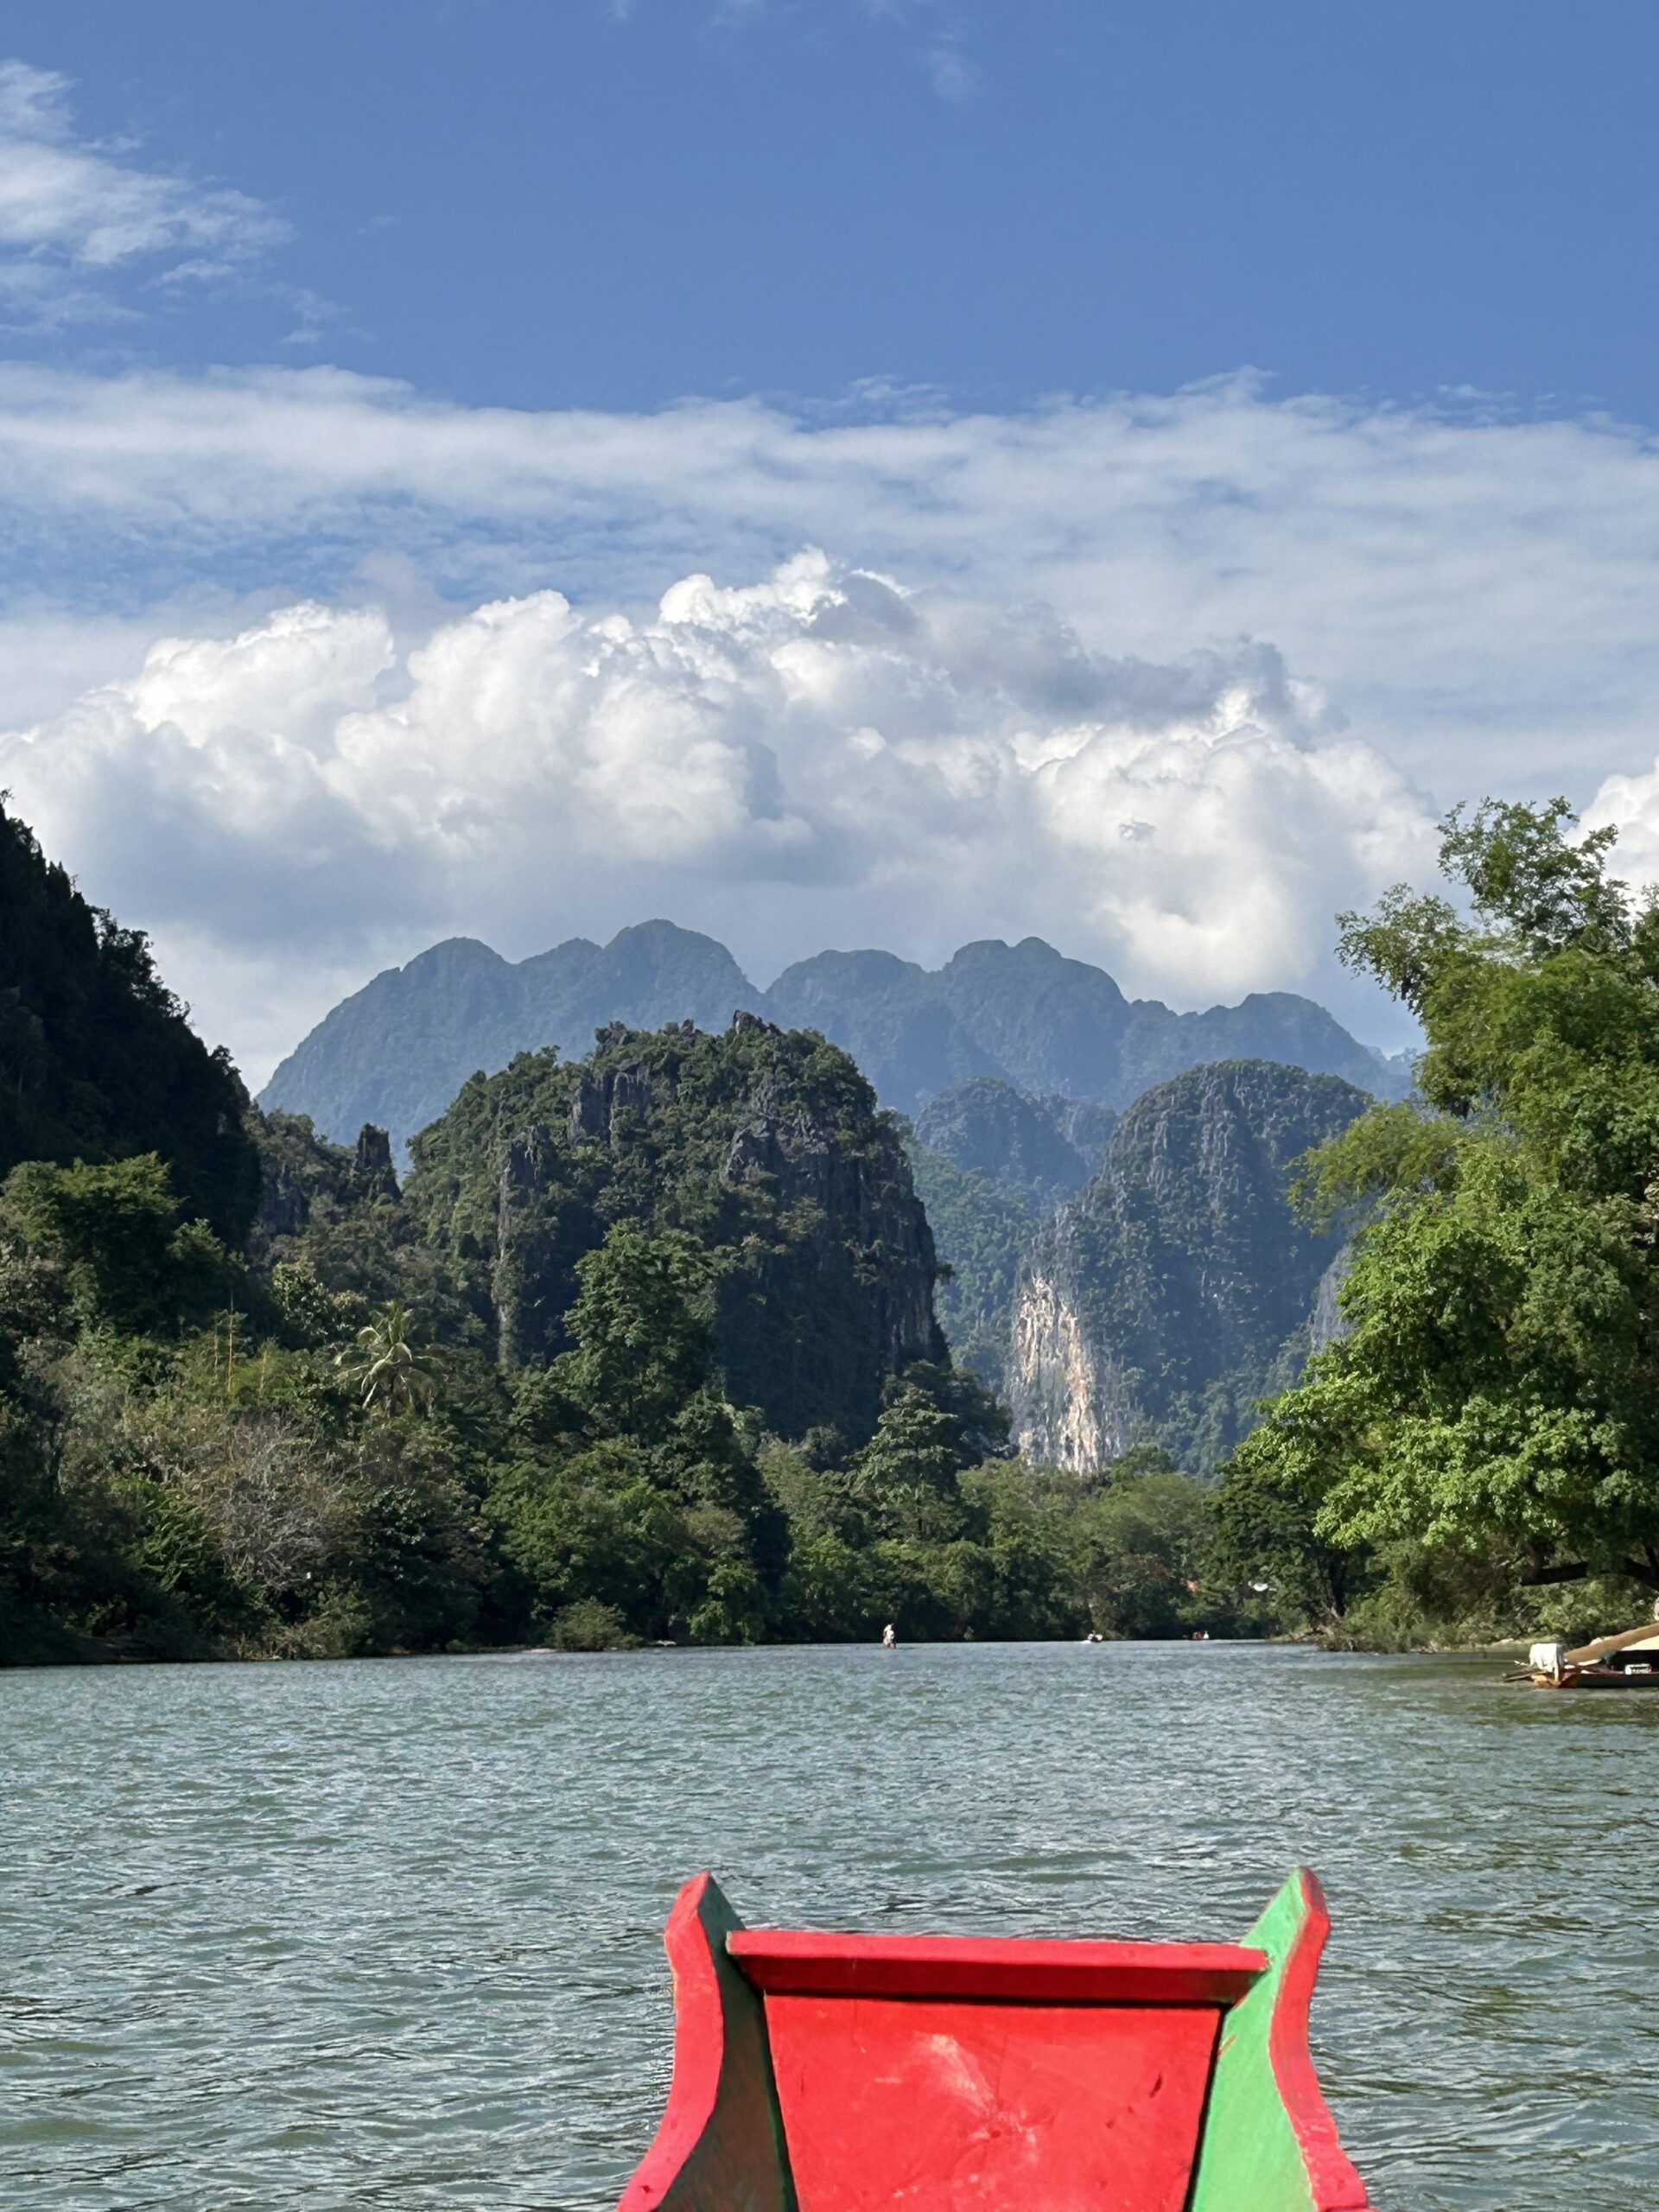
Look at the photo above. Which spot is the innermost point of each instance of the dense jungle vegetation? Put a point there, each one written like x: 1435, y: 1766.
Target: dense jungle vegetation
x: 643, y: 1348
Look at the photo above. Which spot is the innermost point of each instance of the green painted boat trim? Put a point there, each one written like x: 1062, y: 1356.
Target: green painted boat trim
x: 1269, y: 2143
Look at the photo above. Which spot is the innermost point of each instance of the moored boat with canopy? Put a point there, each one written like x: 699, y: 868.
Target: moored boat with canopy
x: 1627, y: 1661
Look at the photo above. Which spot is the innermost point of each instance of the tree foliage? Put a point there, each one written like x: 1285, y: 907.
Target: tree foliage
x: 1493, y: 1401
x: 391, y: 1362
x: 98, y: 1060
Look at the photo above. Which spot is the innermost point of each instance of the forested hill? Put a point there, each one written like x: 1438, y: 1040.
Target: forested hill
x: 396, y: 1051
x: 97, y: 1061
x: 764, y: 1150
x: 1178, y: 1288
x: 646, y: 1348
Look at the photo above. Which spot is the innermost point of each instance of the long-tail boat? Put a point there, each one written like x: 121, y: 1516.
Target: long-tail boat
x: 820, y: 2073
x: 1629, y: 1661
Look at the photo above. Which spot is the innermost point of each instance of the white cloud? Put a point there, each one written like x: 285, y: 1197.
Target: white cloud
x: 824, y: 757
x: 73, y: 212
x: 953, y: 76
x: 1630, y: 804
x: 933, y: 30
x: 1475, y: 594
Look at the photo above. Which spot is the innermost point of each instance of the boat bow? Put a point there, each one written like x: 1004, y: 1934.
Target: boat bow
x: 835, y: 2073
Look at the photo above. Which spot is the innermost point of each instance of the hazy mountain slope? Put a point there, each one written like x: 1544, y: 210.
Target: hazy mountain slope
x: 1048, y: 1026
x: 1266, y: 1026
x: 1176, y: 1287
x: 648, y: 974
x: 980, y: 1234
x: 1017, y: 1143
x: 1054, y: 1023
x: 396, y: 1051
x: 889, y: 1014
x: 1086, y: 1127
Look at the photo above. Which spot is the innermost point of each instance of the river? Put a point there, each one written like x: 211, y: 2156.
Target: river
x: 388, y: 1934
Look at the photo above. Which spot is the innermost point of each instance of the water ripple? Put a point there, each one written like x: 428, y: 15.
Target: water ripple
x: 388, y: 1934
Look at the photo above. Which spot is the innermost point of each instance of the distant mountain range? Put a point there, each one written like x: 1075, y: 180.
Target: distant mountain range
x: 396, y: 1051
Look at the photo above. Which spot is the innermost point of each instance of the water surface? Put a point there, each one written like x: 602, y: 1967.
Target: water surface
x: 388, y: 1934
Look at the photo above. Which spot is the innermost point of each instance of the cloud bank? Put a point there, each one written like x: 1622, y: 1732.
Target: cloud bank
x: 289, y: 684
x: 824, y: 756
x: 1475, y: 592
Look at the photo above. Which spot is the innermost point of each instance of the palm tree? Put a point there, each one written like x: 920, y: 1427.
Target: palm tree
x: 393, y: 1363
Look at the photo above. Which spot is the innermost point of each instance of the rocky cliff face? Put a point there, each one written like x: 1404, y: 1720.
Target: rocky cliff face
x: 307, y: 1184
x: 1020, y: 1145
x: 990, y: 1162
x: 1069, y: 1414
x: 850, y: 1201
x: 766, y: 1147
x: 1178, y: 1287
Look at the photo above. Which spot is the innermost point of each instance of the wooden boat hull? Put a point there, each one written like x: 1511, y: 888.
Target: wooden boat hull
x: 817, y: 2072
x: 1628, y: 1660
x: 1597, y: 1678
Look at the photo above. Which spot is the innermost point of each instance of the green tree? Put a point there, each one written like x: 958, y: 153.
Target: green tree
x: 905, y: 1476
x: 98, y: 1062
x: 643, y: 1327
x: 1141, y: 1545
x: 393, y: 1365
x: 1269, y: 1549
x: 595, y: 1525
x: 1495, y: 1395
x: 113, y: 1235
x: 417, y: 1559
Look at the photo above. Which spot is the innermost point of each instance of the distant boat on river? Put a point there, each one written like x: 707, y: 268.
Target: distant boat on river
x: 819, y: 2073
x: 1629, y: 1661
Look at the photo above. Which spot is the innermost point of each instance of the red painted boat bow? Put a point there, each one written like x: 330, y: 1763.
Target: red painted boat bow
x: 833, y: 2073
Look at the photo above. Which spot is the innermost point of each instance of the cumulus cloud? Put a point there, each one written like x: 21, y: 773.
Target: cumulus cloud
x: 73, y: 212
x: 1630, y: 804
x: 1476, y: 591
x: 825, y: 756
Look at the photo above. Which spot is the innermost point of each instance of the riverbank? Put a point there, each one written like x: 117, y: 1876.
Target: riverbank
x: 143, y: 1649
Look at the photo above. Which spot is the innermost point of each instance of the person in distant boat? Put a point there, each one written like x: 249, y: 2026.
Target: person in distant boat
x: 889, y: 1638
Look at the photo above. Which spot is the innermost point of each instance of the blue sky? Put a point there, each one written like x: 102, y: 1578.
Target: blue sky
x: 546, y: 203
x: 1147, y: 459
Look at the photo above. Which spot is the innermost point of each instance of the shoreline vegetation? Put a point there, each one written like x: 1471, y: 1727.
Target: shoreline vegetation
x: 115, y: 1652
x: 642, y: 1348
